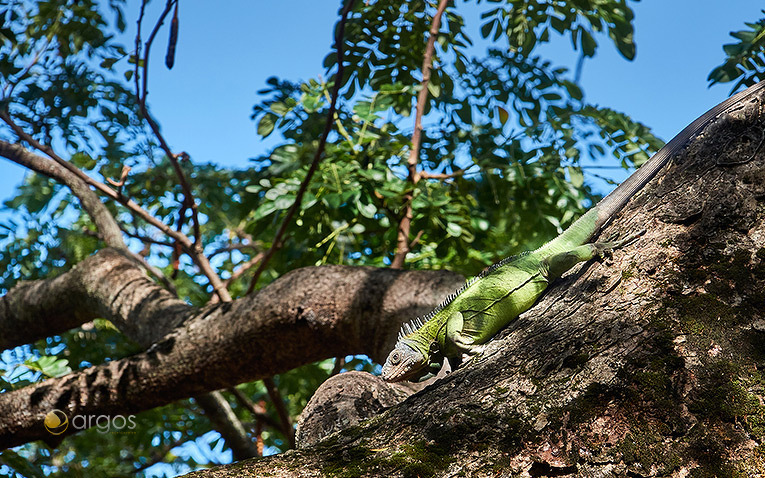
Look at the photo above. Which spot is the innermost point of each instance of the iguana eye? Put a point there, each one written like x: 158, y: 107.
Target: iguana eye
x: 395, y: 358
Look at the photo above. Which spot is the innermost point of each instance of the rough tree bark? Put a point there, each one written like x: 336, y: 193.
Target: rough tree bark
x: 649, y: 363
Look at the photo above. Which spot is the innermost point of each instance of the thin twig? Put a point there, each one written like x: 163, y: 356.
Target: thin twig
x: 339, y: 364
x: 405, y: 224
x: 240, y: 271
x: 137, y: 57
x: 231, y: 248
x: 159, y: 455
x: 173, y: 158
x: 100, y: 215
x: 416, y: 239
x: 441, y: 176
x: 155, y: 272
x: 12, y: 84
x: 103, y: 188
x: 257, y: 411
x: 281, y: 410
x: 145, y: 239
x: 123, y: 176
x: 278, y: 238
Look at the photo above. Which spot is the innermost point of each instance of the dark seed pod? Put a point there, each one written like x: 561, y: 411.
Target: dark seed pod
x: 170, y: 57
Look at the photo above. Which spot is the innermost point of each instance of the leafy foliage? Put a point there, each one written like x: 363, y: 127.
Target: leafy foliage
x: 745, y: 59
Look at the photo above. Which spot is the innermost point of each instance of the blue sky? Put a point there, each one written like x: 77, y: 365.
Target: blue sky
x: 226, y: 53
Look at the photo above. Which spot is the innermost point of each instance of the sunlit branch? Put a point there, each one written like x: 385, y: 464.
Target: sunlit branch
x: 442, y: 176
x: 405, y: 224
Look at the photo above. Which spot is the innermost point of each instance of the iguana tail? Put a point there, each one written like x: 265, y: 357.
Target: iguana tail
x: 611, y: 204
x: 584, y: 228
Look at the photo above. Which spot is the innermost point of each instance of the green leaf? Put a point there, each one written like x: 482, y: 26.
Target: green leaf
x: 588, y: 43
x: 454, y: 230
x: 434, y: 89
x: 266, y: 124
x: 83, y: 160
x: 263, y: 210
x: 280, y: 108
x: 109, y: 62
x: 21, y: 465
x: 367, y: 210
x: 576, y: 176
x: 503, y: 115
x: 49, y: 366
x: 284, y: 202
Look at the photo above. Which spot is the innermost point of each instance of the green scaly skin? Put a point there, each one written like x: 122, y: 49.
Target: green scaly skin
x: 459, y: 327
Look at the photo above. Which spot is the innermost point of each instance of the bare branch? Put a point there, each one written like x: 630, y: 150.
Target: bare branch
x: 145, y: 239
x: 109, y: 285
x: 402, y: 243
x: 241, y: 270
x: 155, y: 272
x: 277, y: 244
x: 102, y: 218
x: 257, y: 411
x: 121, y: 182
x: 189, y: 201
x: 132, y: 206
x: 194, y: 250
x: 442, y: 176
x: 281, y: 410
x: 232, y: 247
x: 224, y: 420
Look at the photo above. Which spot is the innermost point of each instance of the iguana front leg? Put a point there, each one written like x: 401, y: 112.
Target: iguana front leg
x: 461, y: 346
x: 557, y: 264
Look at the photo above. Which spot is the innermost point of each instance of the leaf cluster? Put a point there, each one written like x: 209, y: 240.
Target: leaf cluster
x: 745, y: 59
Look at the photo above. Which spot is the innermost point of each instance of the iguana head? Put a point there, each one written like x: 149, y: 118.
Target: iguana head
x: 407, y: 362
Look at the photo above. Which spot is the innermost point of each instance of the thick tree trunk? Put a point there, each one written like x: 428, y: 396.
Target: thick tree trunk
x: 645, y: 364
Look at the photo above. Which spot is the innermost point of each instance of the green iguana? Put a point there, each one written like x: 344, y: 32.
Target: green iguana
x: 459, y: 327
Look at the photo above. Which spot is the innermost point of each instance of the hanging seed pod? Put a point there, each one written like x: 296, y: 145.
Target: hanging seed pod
x: 170, y: 57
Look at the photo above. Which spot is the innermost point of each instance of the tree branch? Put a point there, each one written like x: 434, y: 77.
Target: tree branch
x: 105, y: 223
x: 278, y: 238
x: 306, y: 315
x: 15, y: 153
x: 193, y: 249
x: 281, y: 410
x: 222, y: 416
x: 131, y: 205
x: 443, y: 176
x: 189, y: 201
x: 258, y: 412
x: 405, y: 224
x: 109, y: 285
x: 644, y: 364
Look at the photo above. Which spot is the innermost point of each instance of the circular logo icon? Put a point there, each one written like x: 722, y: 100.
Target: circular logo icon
x: 56, y: 422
